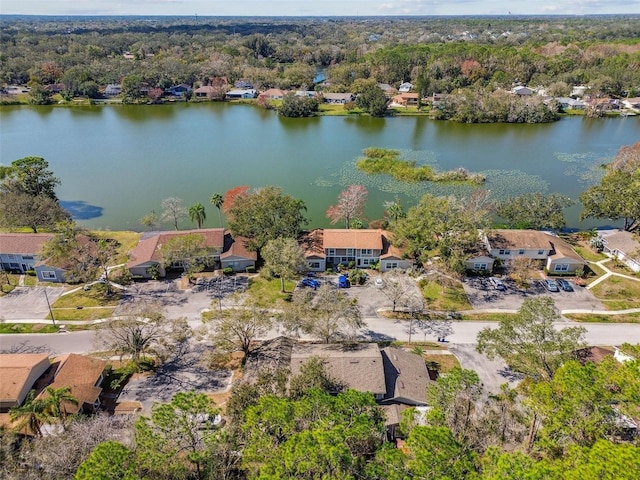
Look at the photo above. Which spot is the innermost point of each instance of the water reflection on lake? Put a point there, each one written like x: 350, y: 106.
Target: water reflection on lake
x: 117, y: 163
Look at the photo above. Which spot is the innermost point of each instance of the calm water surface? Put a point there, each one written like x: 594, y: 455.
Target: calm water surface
x: 117, y: 163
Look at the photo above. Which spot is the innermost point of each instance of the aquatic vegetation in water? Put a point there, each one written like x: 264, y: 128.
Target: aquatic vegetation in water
x: 385, y: 161
x: 502, y: 184
x: 586, y: 166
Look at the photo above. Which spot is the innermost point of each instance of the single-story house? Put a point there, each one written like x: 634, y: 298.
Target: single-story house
x: 206, y: 91
x: 603, y: 104
x: 112, y: 90
x: 397, y: 379
x: 148, y: 253
x: 179, y: 90
x: 405, y: 99
x: 18, y: 374
x: 55, y: 87
x: 83, y: 375
x: 632, y: 103
x: 331, y: 247
x: 236, y: 255
x: 522, y: 90
x: 242, y: 84
x: 338, y: 97
x: 405, y: 87
x: 570, y: 103
x: 553, y: 252
x: 388, y: 90
x: 306, y: 93
x: 357, y: 366
x: 272, y: 94
x: 236, y: 93
x: 625, y: 246
x: 224, y: 251
x: 19, y: 251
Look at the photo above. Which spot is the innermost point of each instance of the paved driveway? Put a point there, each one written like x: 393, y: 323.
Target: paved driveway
x: 482, y: 295
x: 492, y: 373
x: 185, y: 373
x: 28, y: 302
x: 184, y: 303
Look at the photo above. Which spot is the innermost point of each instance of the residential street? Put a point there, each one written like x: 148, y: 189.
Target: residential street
x: 377, y: 329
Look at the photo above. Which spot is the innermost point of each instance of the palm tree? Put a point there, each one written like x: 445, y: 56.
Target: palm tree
x: 30, y: 415
x: 394, y: 210
x: 197, y: 214
x: 55, y: 399
x: 217, y: 200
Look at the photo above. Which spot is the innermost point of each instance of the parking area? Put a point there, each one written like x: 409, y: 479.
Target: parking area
x: 28, y: 303
x: 482, y: 295
x: 187, y: 303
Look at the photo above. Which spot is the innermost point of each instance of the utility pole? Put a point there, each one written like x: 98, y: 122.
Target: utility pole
x: 49, y: 305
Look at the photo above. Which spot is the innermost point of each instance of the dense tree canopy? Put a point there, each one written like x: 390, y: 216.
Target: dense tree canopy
x: 529, y: 342
x: 618, y: 195
x: 265, y: 214
x: 535, y: 211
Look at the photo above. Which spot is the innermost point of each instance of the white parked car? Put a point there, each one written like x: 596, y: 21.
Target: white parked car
x: 379, y: 283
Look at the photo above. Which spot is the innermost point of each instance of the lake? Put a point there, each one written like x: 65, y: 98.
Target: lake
x: 117, y: 163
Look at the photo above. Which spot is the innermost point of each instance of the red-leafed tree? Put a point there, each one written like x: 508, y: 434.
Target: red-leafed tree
x: 350, y: 206
x: 232, y: 195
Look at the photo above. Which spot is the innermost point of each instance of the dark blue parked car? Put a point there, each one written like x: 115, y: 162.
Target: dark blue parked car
x: 310, y: 282
x: 343, y: 282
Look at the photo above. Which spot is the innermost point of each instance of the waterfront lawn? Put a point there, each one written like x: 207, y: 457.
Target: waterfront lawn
x: 448, y: 298
x: 618, y: 293
x: 126, y: 242
x: 588, y: 254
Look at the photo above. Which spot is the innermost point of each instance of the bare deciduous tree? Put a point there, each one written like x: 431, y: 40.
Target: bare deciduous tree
x: 326, y: 314
x: 173, y: 211
x: 143, y: 329
x: 350, y: 205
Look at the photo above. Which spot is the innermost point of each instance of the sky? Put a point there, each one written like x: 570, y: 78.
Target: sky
x: 318, y: 8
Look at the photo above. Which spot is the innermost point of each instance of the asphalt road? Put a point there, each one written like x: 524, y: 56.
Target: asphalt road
x: 464, y: 333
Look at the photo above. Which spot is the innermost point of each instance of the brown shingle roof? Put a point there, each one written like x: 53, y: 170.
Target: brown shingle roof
x: 312, y: 243
x: 514, y: 239
x: 338, y: 238
x: 356, y: 366
x: 625, y: 242
x: 23, y: 243
x: 149, y: 248
x: 15, y: 371
x: 269, y: 357
x: 406, y: 376
x: 81, y: 374
x: 563, y: 250
x: 237, y: 247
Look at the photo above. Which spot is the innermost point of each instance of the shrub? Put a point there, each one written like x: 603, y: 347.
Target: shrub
x: 250, y: 269
x: 227, y: 271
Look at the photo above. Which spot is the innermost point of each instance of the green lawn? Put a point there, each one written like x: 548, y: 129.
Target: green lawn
x: 589, y: 254
x: 487, y: 317
x: 266, y: 293
x: 447, y: 299
x: 127, y: 241
x: 588, y: 317
x: 71, y: 314
x: 95, y: 297
x: 27, y: 328
x: 618, y: 293
x: 443, y: 363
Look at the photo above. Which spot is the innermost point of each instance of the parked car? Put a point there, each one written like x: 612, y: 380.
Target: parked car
x: 310, y: 282
x: 565, y: 285
x: 343, y: 282
x: 378, y: 282
x: 550, y: 285
x: 497, y: 284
